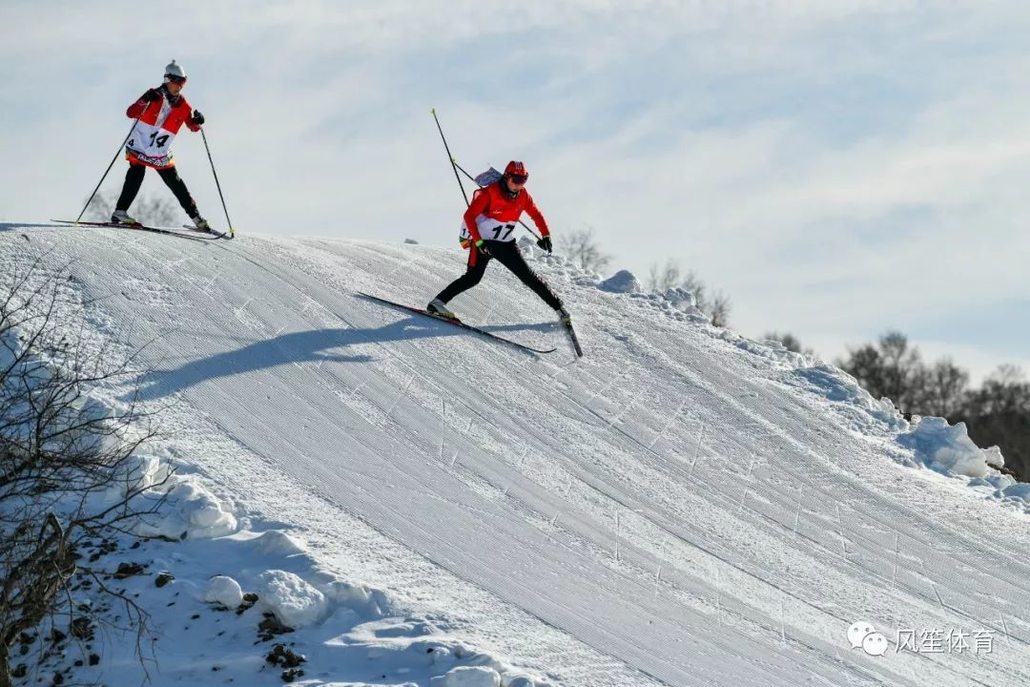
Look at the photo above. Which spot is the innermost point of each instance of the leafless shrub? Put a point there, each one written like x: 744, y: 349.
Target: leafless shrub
x: 65, y: 459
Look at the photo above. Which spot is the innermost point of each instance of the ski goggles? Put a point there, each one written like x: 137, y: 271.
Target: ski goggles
x: 170, y: 78
x: 518, y: 178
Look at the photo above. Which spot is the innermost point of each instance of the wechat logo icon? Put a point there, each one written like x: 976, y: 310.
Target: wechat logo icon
x: 863, y: 635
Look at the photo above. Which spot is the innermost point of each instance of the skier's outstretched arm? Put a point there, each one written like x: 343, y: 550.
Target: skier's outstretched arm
x: 538, y: 217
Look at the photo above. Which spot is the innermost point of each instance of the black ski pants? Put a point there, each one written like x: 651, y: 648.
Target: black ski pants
x: 134, y: 179
x: 507, y: 253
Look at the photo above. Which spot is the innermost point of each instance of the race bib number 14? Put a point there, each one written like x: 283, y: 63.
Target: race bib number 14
x: 151, y: 141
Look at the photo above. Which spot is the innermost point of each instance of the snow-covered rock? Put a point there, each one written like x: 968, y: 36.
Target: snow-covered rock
x: 224, y: 590
x: 622, y: 281
x: 276, y: 543
x: 293, y: 601
x: 518, y: 681
x: 190, y: 511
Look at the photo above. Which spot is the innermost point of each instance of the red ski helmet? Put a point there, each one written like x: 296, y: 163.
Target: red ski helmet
x: 516, y: 171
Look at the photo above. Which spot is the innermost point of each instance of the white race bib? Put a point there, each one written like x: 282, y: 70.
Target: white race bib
x: 151, y: 142
x: 490, y: 229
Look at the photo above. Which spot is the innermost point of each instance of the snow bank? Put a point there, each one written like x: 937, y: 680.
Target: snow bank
x: 189, y: 511
x: 1018, y: 490
x: 468, y: 676
x: 859, y: 410
x: 276, y: 543
x: 183, y: 507
x: 947, y: 448
x: 294, y: 602
x: 369, y: 603
x: 680, y: 299
x: 771, y: 349
x: 935, y: 443
x: 407, y: 646
x: 141, y: 472
x: 622, y: 281
x: 519, y: 681
x: 202, y: 574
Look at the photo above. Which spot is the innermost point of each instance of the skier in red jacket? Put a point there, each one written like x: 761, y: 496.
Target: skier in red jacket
x: 162, y: 112
x: 489, y: 232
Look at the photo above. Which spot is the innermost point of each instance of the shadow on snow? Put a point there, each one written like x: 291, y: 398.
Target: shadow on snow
x: 315, y: 345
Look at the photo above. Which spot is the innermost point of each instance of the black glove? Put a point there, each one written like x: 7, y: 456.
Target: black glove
x: 151, y: 95
x: 545, y: 243
x: 198, y: 118
x: 481, y: 247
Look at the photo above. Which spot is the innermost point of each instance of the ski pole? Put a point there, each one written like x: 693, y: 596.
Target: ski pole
x: 120, y: 148
x: 524, y: 225
x: 232, y: 232
x: 454, y: 165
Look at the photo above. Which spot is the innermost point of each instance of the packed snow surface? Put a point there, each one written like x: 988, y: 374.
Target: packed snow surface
x: 682, y: 506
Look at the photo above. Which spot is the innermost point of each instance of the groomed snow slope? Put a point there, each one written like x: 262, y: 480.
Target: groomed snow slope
x: 679, y: 507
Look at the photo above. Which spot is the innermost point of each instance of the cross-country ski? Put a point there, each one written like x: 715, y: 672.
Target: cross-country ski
x: 457, y: 323
x: 185, y: 231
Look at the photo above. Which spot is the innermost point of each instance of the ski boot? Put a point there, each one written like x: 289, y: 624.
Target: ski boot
x: 439, y: 308
x: 201, y: 224
x: 122, y: 217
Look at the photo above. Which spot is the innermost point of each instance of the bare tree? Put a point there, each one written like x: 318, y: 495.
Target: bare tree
x: 670, y: 275
x: 719, y: 309
x: 582, y: 247
x: 1010, y: 377
x: 693, y: 283
x: 790, y: 342
x: 155, y: 211
x: 663, y: 277
x: 62, y: 455
x: 891, y: 368
x: 902, y: 369
x: 944, y: 389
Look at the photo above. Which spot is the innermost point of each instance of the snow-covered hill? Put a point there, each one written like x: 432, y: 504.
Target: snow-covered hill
x: 682, y: 506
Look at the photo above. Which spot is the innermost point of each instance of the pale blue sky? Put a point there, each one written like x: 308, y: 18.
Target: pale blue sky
x: 837, y: 168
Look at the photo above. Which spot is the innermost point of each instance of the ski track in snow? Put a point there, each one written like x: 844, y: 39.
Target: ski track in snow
x: 755, y: 514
